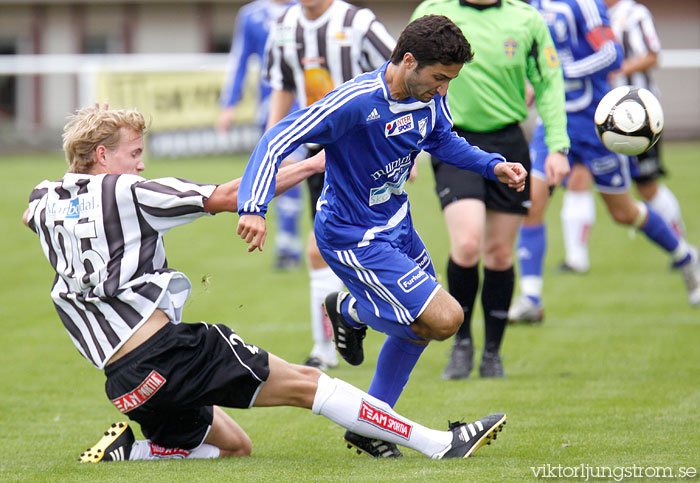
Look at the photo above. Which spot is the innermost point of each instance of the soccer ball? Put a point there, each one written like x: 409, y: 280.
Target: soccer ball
x: 629, y: 120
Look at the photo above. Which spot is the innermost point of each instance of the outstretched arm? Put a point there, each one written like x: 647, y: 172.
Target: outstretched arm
x: 252, y: 227
x: 225, y: 196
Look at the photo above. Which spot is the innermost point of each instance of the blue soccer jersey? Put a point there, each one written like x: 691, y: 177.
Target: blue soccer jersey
x: 250, y: 37
x: 588, y: 51
x: 371, y: 142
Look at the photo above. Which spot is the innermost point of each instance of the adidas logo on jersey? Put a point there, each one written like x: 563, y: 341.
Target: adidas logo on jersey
x: 373, y: 115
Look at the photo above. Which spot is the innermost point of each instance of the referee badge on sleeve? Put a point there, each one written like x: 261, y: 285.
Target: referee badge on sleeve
x: 551, y: 55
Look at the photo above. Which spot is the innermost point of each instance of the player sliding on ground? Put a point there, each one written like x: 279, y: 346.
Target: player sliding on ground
x: 101, y: 227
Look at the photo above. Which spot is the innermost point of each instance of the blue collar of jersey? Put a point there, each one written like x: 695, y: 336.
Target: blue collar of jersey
x: 407, y: 104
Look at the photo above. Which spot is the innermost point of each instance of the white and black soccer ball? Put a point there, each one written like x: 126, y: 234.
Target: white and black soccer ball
x: 629, y: 120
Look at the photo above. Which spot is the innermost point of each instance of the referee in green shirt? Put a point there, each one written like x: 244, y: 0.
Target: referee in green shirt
x: 511, y: 43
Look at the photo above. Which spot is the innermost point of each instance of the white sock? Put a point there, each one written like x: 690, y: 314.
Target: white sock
x: 531, y: 285
x: 666, y: 204
x: 144, y: 449
x: 323, y: 282
x: 682, y: 250
x: 577, y: 219
x: 363, y: 414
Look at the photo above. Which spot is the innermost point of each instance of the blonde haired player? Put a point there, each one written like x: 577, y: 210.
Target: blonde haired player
x: 101, y: 228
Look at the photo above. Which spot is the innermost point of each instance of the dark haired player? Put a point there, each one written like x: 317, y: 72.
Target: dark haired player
x: 372, y: 128
x: 101, y: 228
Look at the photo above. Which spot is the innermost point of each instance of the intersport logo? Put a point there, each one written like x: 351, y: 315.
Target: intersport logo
x: 399, y: 126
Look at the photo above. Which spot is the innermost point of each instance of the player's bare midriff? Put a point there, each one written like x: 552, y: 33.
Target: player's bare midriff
x: 154, y: 323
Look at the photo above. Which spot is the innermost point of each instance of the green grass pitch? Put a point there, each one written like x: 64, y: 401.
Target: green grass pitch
x: 611, y: 379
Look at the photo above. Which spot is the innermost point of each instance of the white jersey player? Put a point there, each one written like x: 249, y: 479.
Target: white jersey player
x: 101, y: 228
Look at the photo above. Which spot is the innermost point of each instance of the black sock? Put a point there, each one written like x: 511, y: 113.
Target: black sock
x: 463, y: 283
x: 495, y: 299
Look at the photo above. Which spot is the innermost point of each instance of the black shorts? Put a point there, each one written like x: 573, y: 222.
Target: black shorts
x: 170, y: 383
x: 452, y: 183
x: 315, y: 183
x: 647, y: 166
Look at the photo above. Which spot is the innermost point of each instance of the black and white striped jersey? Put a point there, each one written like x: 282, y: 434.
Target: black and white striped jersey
x: 103, y: 235
x: 312, y: 57
x: 634, y: 28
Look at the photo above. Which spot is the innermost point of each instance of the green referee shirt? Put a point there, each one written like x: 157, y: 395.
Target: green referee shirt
x: 511, y: 41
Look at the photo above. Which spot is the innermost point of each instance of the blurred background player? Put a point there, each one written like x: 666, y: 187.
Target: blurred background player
x: 633, y: 27
x: 511, y: 43
x: 589, y: 52
x: 101, y: 228
x: 372, y: 128
x: 314, y: 47
x: 249, y: 40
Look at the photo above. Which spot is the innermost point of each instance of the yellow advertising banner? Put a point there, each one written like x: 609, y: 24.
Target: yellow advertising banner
x: 173, y: 100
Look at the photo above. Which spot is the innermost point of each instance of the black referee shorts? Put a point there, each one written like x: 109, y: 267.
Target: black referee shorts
x: 170, y: 383
x: 452, y: 183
